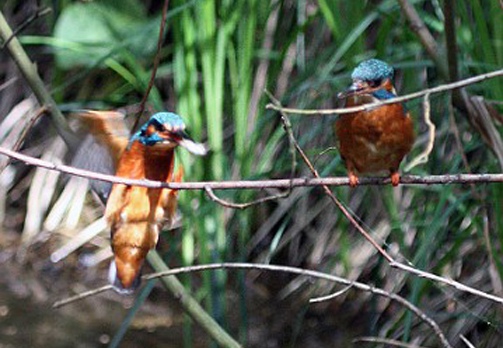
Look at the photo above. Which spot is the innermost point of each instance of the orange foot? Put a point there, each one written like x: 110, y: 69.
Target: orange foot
x: 353, y: 179
x: 395, y: 178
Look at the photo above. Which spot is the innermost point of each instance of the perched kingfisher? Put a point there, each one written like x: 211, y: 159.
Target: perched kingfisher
x: 135, y: 214
x: 374, y: 140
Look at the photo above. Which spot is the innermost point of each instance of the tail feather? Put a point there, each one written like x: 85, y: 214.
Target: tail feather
x: 118, y: 286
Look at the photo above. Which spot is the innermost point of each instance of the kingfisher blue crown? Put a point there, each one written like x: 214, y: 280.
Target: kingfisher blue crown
x: 158, y: 120
x: 372, y: 70
x: 163, y: 118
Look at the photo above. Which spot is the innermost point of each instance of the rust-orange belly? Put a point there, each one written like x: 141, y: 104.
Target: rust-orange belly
x: 137, y: 213
x: 376, y: 140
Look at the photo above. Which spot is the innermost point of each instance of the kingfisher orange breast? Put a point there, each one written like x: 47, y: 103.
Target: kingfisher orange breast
x: 136, y: 214
x: 374, y: 140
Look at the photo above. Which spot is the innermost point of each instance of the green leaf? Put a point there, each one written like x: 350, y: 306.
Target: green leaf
x: 97, y: 30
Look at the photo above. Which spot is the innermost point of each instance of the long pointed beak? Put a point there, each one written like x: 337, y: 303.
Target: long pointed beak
x: 186, y: 141
x: 356, y: 87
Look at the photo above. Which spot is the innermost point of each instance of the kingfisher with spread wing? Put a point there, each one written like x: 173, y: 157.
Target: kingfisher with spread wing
x: 136, y: 214
x: 374, y: 140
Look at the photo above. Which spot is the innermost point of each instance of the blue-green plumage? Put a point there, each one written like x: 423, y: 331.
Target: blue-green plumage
x: 166, y: 128
x: 372, y: 70
x: 383, y: 94
x: 159, y: 120
x: 376, y: 139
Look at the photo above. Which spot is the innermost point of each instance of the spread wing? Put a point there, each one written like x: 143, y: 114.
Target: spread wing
x: 101, y: 149
x: 109, y: 129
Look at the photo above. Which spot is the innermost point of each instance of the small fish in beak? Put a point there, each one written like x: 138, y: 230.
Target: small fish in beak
x: 184, y: 140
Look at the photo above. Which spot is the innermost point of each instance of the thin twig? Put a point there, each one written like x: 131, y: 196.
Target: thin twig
x: 423, y: 156
x: 211, y: 194
x: 434, y: 90
x: 377, y: 246
x: 457, y: 139
x: 7, y: 83
x: 387, y: 341
x: 424, y: 35
x: 294, y: 270
x: 26, y: 128
x: 450, y: 282
x: 81, y: 296
x: 157, y: 59
x: 329, y: 193
x: 466, y: 341
x: 227, y: 204
x: 30, y: 73
x: 445, y: 179
x: 38, y: 14
x: 331, y: 296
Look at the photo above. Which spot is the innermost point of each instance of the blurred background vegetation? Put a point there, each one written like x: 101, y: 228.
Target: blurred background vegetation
x: 216, y: 60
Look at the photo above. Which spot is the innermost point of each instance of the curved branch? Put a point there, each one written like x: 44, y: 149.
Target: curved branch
x: 423, y: 156
x: 209, y: 191
x: 256, y: 184
x: 285, y: 269
x: 434, y: 90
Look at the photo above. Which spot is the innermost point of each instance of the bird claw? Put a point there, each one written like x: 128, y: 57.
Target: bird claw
x: 395, y: 178
x: 353, y: 180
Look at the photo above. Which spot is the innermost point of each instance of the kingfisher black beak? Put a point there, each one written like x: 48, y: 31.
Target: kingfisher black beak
x: 357, y: 87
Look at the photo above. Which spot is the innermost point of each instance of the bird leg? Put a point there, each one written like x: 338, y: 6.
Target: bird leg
x: 353, y: 178
x: 395, y: 178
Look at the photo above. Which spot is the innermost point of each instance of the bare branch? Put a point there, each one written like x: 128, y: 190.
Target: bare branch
x: 427, y: 40
x: 256, y: 184
x: 388, y: 342
x: 81, y: 296
x: 329, y: 193
x: 438, y: 89
x: 38, y: 14
x: 466, y: 341
x: 423, y: 156
x: 379, y: 248
x: 286, y: 269
x: 331, y: 296
x: 30, y: 73
x: 450, y: 282
x: 157, y: 59
x: 216, y: 199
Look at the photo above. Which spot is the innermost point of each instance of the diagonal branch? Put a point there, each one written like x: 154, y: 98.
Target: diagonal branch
x: 427, y: 40
x: 392, y: 262
x: 329, y: 193
x: 38, y: 14
x: 434, y: 90
x: 29, y: 71
x: 285, y: 269
x: 157, y: 59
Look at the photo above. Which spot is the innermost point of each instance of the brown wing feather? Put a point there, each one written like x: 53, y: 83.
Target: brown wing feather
x: 109, y: 128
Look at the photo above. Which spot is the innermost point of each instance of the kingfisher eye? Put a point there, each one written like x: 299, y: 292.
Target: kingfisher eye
x: 375, y: 83
x: 158, y: 127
